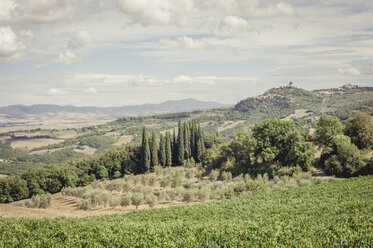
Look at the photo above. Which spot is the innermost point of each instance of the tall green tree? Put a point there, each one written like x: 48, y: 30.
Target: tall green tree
x: 154, y: 151
x: 145, y: 151
x: 327, y: 127
x: 174, y: 148
x: 360, y: 129
x: 180, y: 143
x: 280, y: 143
x: 162, y: 150
x: 168, y: 149
x: 186, y: 141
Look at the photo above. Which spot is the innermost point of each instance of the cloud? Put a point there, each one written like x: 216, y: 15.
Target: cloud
x: 80, y: 38
x: 157, y: 12
x: 26, y: 12
x: 56, y: 92
x: 184, y: 12
x: 183, y: 42
x: 231, y: 25
x: 348, y: 70
x: 11, y: 47
x: 66, y: 58
x: 90, y: 90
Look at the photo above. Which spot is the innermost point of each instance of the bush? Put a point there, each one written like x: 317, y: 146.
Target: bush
x: 152, y: 180
x: 189, y: 195
x: 137, y: 199
x: 114, y: 186
x: 227, y: 193
x: 151, y: 200
x: 214, y: 175
x: 39, y: 201
x: 165, y: 182
x: 158, y: 170
x: 144, y: 180
x: 114, y: 202
x: 84, y: 204
x: 204, y: 194
x: 226, y: 176
x: 126, y: 201
x: 176, y: 182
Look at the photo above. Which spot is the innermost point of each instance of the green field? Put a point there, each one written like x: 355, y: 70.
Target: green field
x: 336, y: 214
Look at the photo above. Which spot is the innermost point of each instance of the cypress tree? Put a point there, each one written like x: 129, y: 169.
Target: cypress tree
x: 145, y: 151
x: 154, y: 151
x: 174, y: 149
x: 186, y: 141
x: 162, y: 150
x: 180, y: 144
x: 193, y: 139
x: 168, y: 149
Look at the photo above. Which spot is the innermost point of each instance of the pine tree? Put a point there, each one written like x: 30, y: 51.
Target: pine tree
x: 154, y: 151
x: 168, y: 149
x: 145, y: 151
x: 180, y: 144
x: 162, y: 150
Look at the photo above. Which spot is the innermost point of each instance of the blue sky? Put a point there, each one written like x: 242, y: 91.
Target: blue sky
x: 120, y: 52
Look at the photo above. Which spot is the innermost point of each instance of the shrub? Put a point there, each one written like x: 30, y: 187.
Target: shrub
x: 152, y: 180
x: 226, y: 176
x: 189, y: 195
x: 214, y: 175
x: 84, y: 204
x: 114, y: 202
x: 144, y: 180
x: 114, y: 186
x: 39, y: 201
x: 158, y: 170
x: 126, y: 201
x: 165, y: 182
x: 227, y: 193
x: 239, y: 188
x: 176, y: 182
x: 151, y: 200
x: 204, y: 194
x: 137, y: 199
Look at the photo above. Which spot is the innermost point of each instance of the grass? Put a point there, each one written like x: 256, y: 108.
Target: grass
x: 336, y: 214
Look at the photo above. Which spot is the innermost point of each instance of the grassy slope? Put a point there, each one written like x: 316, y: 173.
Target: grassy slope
x: 337, y: 214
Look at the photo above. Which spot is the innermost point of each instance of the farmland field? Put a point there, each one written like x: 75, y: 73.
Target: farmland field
x: 336, y: 214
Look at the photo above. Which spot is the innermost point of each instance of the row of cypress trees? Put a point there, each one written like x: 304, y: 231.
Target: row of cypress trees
x: 186, y: 144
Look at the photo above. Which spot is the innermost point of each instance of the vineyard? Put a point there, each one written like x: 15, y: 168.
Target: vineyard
x: 335, y: 214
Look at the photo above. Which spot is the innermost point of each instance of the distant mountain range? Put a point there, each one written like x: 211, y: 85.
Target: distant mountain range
x: 190, y: 104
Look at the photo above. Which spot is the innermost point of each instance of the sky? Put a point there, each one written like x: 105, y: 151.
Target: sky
x: 125, y: 52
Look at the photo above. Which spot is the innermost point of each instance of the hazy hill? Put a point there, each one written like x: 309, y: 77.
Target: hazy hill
x: 190, y: 104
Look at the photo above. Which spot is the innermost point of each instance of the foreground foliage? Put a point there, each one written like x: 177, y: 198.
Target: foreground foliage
x: 337, y: 214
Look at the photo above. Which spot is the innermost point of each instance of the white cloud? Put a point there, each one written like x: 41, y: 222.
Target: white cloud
x: 11, y: 47
x: 348, y: 70
x: 157, y: 12
x: 26, y: 12
x: 90, y: 90
x: 80, y: 38
x: 56, y: 92
x: 66, y: 58
x: 183, y: 42
x: 231, y: 25
x: 185, y: 12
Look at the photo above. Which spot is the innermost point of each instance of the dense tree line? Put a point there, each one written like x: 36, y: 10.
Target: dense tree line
x: 111, y: 164
x: 188, y: 143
